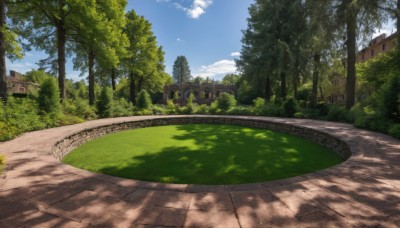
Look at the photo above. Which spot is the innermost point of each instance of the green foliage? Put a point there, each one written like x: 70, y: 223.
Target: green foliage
x: 225, y: 102
x: 143, y: 101
x: 391, y: 99
x: 181, y: 70
x: 48, y: 98
x: 2, y: 159
x: 290, y: 107
x: 259, y: 105
x: 36, y: 76
x: 104, y: 103
x: 394, y: 130
x: 338, y: 113
x: 189, y: 104
x: 20, y: 115
x: 122, y: 107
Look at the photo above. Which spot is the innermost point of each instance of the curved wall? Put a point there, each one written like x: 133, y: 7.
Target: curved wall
x: 70, y: 142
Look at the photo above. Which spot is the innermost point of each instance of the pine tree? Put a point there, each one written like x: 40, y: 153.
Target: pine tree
x: 181, y: 70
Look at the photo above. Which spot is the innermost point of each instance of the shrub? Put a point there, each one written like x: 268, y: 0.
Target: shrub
x: 122, y: 107
x: 171, y: 108
x: 391, y: 99
x: 338, y: 113
x: 159, y: 110
x: 290, y: 107
x: 394, y: 130
x: 322, y: 109
x: 2, y: 160
x: 225, y: 102
x: 259, y: 105
x: 143, y: 100
x: 189, y: 104
x: 48, y: 97
x: 299, y: 115
x: 202, y: 109
x: 104, y: 104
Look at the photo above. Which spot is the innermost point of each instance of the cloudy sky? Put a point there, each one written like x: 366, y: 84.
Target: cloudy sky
x: 207, y: 32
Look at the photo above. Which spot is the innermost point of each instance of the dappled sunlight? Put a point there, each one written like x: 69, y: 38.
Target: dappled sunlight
x: 203, y: 154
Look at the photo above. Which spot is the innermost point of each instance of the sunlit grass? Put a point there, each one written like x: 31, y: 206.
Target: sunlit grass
x: 202, y: 154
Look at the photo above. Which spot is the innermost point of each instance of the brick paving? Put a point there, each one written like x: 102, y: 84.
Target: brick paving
x: 36, y: 190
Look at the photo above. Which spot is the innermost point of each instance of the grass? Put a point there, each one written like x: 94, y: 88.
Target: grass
x: 202, y: 154
x: 2, y: 163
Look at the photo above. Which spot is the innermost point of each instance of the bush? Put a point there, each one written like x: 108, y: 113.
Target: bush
x: 259, y: 106
x: 391, y: 100
x: 202, y: 109
x: 48, y: 97
x: 104, y: 104
x: 159, y: 110
x: 298, y: 115
x: 322, y: 109
x: 2, y: 160
x: 338, y: 113
x: 189, y: 104
x: 143, y: 100
x: 290, y: 107
x: 394, y: 130
x: 122, y: 107
x: 225, y: 102
x: 171, y: 108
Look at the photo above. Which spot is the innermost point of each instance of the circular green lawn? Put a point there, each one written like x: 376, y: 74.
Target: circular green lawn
x: 202, y: 154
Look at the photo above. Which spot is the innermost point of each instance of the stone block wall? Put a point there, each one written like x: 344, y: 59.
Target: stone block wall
x: 70, y: 142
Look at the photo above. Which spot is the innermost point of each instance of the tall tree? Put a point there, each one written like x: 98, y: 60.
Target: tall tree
x: 3, y: 73
x: 358, y: 17
x: 181, y: 70
x: 99, y: 39
x: 145, y: 62
x: 8, y: 46
x: 271, y: 45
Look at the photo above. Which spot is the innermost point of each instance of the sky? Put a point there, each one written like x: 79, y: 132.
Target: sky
x: 207, y: 32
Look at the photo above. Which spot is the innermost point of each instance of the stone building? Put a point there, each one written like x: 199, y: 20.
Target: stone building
x: 204, y: 93
x: 17, y: 86
x: 376, y: 46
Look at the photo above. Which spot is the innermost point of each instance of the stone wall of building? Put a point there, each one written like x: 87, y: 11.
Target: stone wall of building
x: 70, y: 142
x: 204, y: 93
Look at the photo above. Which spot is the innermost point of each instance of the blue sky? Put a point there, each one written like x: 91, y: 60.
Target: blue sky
x: 207, y: 32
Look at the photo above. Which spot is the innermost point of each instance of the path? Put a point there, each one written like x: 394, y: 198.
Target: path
x: 38, y: 191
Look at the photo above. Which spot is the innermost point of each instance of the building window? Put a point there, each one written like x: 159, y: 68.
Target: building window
x: 384, y: 47
x: 372, y: 53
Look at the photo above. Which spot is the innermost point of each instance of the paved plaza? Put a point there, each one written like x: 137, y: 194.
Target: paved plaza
x: 37, y: 190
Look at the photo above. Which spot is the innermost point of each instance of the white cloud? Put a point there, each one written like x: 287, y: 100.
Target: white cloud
x: 217, y: 69
x: 179, y: 40
x: 197, y: 8
x: 235, y: 54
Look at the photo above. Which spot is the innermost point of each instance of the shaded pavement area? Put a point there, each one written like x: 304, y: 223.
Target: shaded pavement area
x: 36, y: 190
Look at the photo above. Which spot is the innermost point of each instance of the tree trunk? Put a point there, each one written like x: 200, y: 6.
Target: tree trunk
x: 61, y: 40
x: 113, y: 79
x: 296, y: 84
x: 3, y: 73
x: 314, y: 93
x: 132, y: 88
x: 283, y: 85
x: 140, y: 84
x: 267, y: 89
x: 321, y: 92
x: 351, y: 23
x: 91, y: 78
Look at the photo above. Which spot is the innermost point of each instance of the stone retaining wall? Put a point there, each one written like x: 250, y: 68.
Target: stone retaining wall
x: 70, y: 142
